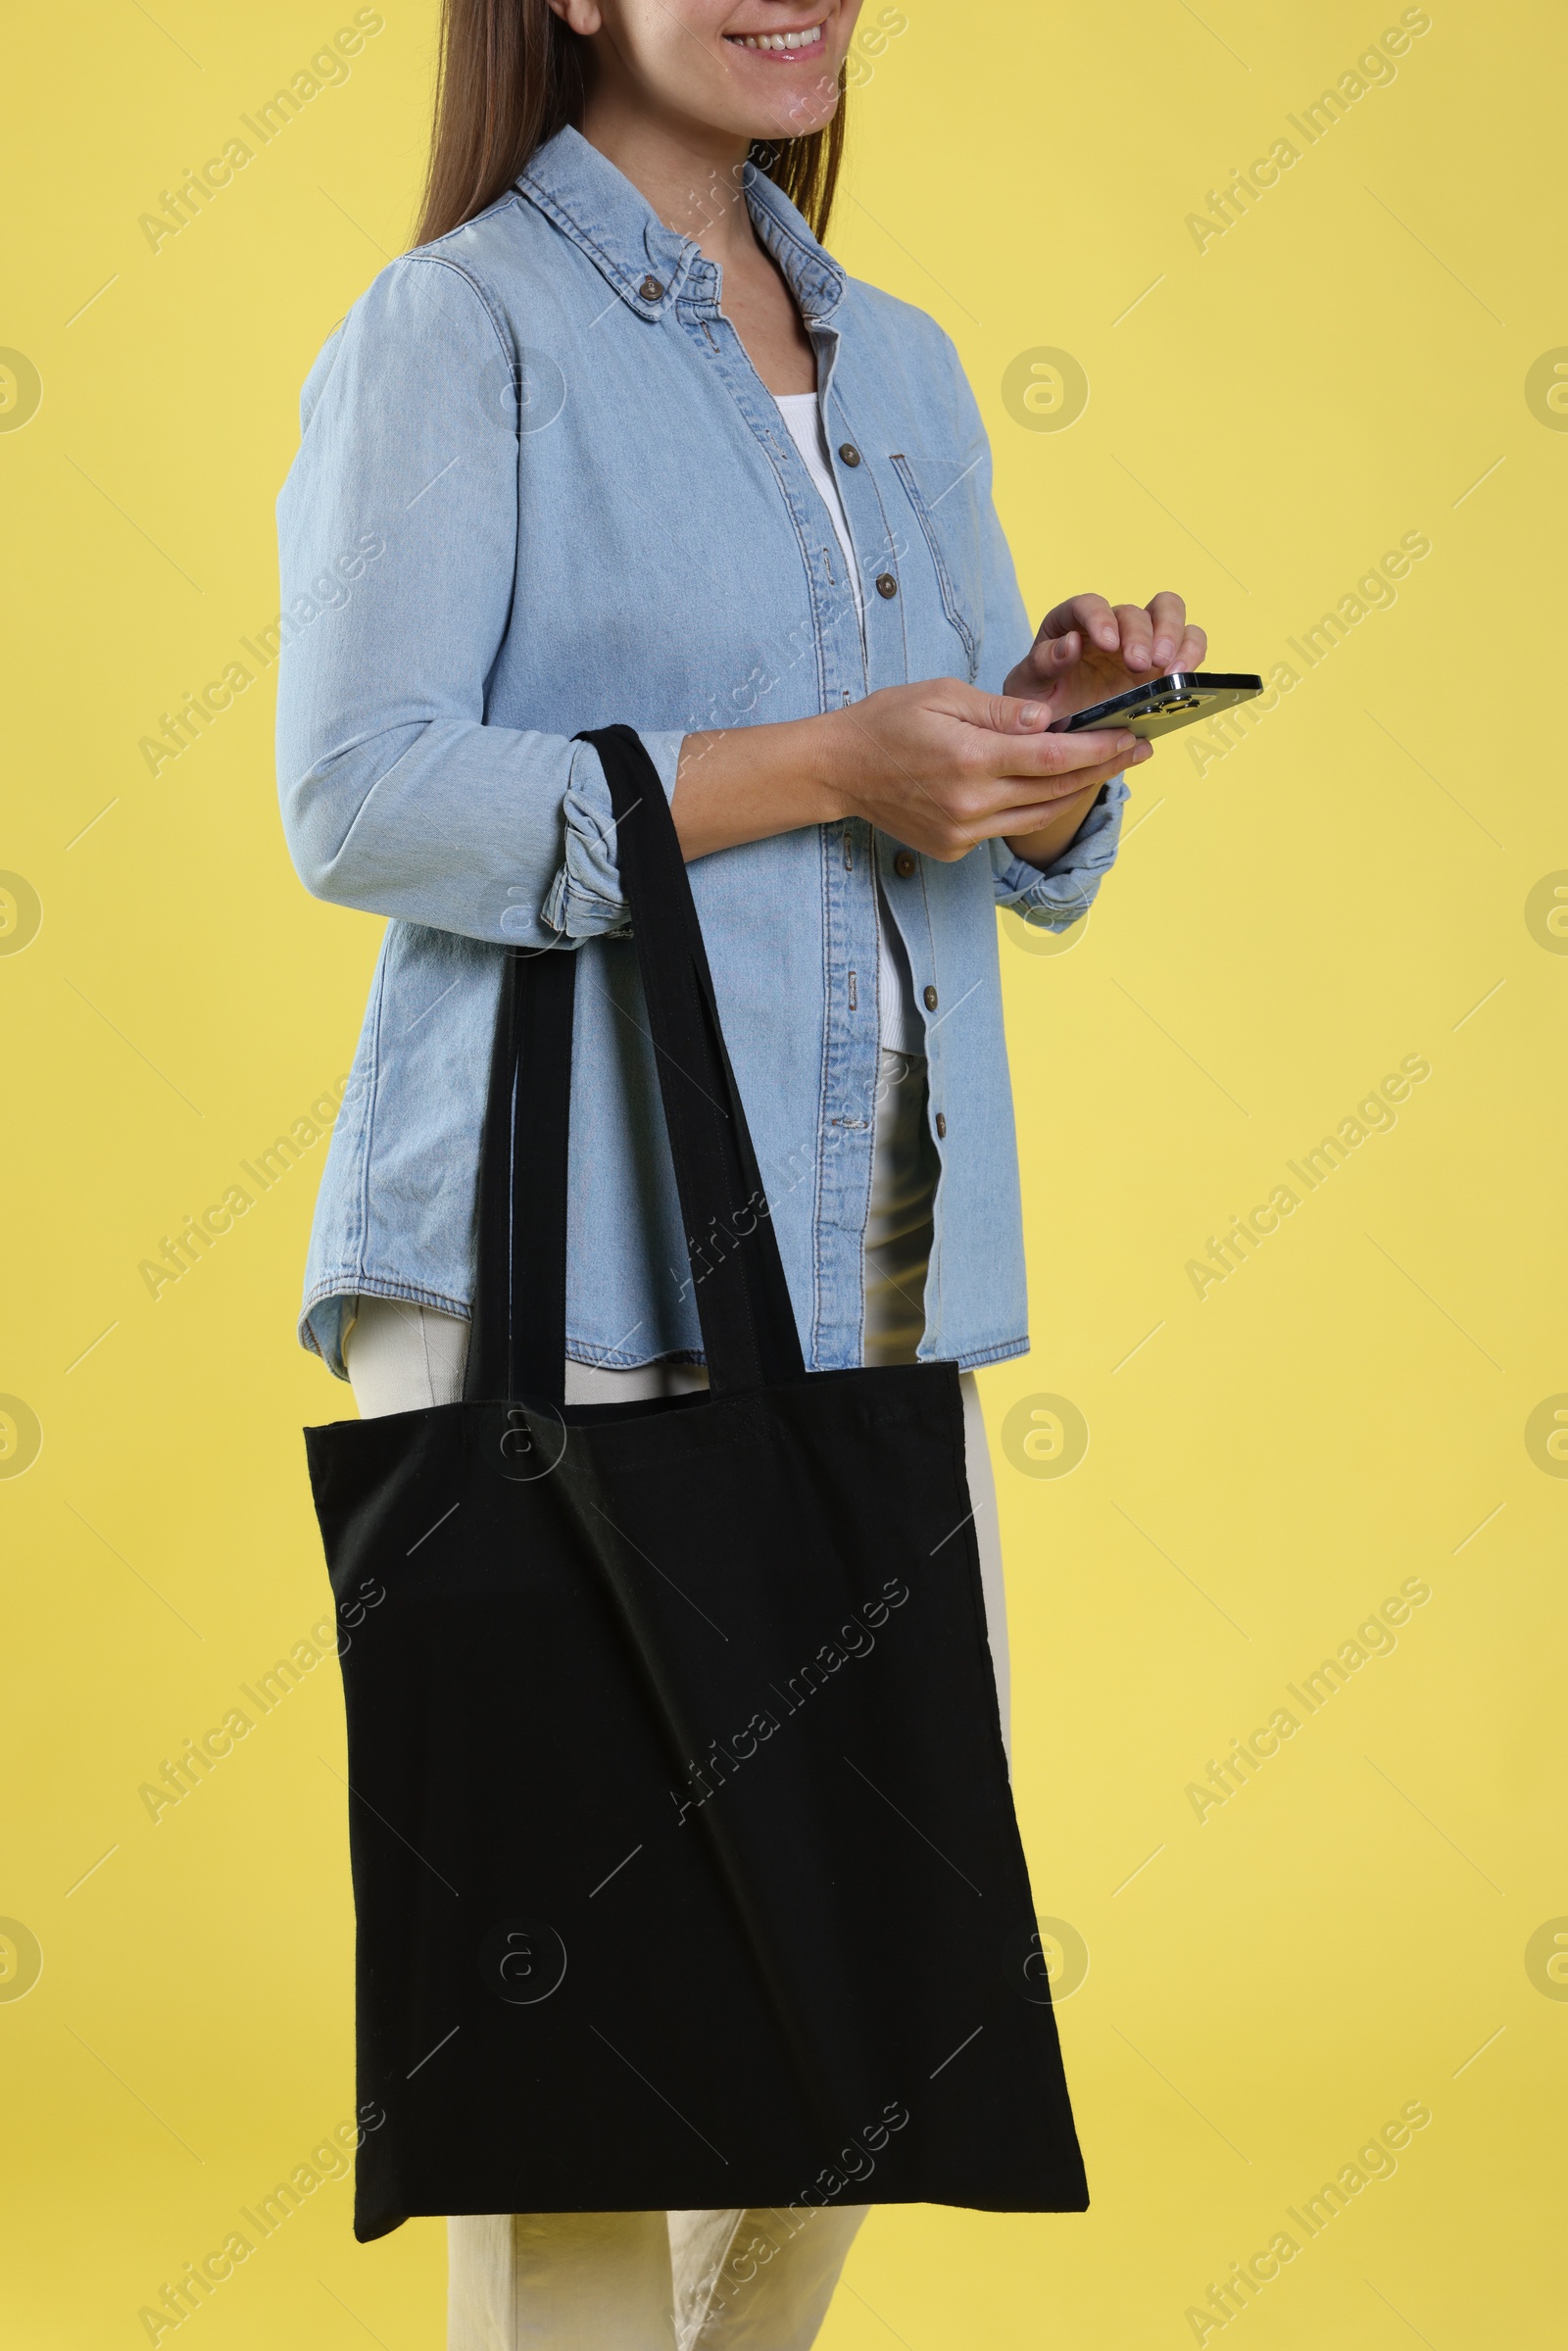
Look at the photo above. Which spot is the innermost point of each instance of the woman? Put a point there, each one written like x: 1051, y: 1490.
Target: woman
x: 618, y: 441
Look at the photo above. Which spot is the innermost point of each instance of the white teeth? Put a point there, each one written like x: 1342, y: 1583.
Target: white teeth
x: 781, y: 40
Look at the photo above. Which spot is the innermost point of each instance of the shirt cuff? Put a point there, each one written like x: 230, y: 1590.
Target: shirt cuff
x: 1054, y: 897
x: 584, y: 901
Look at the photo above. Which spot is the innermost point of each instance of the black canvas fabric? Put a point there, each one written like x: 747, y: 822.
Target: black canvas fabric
x: 685, y: 1863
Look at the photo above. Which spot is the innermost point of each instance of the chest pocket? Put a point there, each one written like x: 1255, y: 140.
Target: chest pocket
x: 945, y: 511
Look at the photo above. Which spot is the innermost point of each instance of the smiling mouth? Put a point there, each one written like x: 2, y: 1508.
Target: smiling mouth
x: 807, y: 42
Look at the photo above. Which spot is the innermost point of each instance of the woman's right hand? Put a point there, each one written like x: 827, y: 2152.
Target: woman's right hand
x: 943, y: 766
x: 939, y: 766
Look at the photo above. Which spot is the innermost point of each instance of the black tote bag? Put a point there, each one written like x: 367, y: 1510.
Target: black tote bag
x: 685, y: 1865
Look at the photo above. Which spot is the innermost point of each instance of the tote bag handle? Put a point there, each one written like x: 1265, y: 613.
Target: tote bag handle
x: 518, y: 1340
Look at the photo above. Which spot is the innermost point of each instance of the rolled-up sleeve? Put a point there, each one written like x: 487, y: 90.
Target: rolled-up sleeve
x: 584, y: 900
x: 1052, y: 897
x: 398, y: 555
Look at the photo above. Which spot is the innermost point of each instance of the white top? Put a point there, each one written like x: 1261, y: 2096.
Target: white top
x: 901, y: 1030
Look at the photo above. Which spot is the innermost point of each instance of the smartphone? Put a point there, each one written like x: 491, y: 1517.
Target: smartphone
x: 1164, y: 703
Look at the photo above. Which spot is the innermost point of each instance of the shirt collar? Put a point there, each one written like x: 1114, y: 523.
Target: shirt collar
x: 597, y: 206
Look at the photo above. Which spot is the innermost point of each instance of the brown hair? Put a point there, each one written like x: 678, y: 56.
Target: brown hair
x: 511, y: 74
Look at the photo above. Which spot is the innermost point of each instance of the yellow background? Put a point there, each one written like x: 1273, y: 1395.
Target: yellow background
x: 1343, y: 1414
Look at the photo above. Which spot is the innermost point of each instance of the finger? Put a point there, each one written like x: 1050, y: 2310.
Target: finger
x: 1137, y: 637
x: 1093, y: 747
x: 1038, y: 799
x: 1049, y: 657
x: 1015, y: 717
x: 1167, y: 615
x: 1078, y: 779
x: 1090, y: 615
x: 1012, y: 714
x: 1193, y: 650
x: 1039, y: 756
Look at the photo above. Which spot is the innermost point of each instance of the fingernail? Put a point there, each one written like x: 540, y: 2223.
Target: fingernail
x: 1144, y: 750
x: 1031, y: 713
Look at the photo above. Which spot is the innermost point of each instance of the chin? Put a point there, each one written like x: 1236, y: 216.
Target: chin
x: 808, y: 111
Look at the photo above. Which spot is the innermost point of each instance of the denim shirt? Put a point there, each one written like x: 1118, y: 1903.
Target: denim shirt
x: 540, y: 487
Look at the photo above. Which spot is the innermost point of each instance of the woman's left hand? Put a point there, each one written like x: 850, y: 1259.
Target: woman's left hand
x: 1088, y: 650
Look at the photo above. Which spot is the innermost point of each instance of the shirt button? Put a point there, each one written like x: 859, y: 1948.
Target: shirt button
x: 930, y: 1000
x: 903, y: 864
x: 651, y: 289
x: 886, y: 584
x: 849, y: 453
x: 942, y: 1126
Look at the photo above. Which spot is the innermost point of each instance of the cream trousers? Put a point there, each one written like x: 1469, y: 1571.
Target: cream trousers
x: 721, y: 2280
